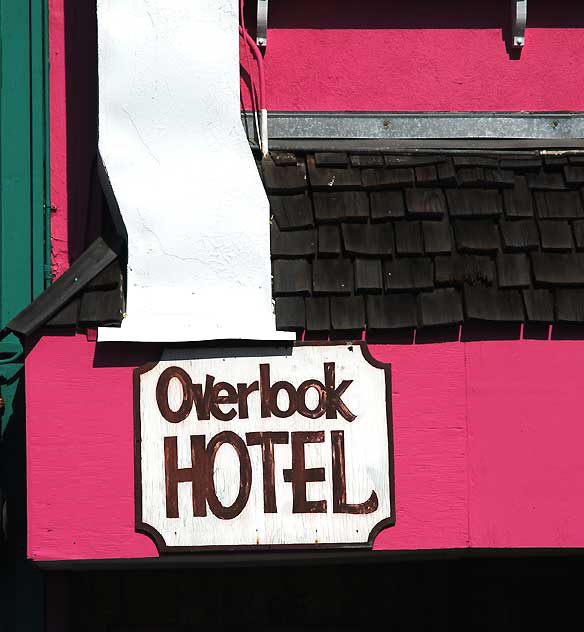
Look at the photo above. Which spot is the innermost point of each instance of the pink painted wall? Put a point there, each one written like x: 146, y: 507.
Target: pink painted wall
x: 58, y: 138
x: 338, y: 55
x: 487, y: 435
x: 422, y: 55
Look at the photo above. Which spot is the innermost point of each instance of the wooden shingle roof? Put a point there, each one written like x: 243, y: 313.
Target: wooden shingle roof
x: 383, y: 242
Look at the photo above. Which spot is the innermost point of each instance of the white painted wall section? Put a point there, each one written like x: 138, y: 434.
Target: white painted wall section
x: 182, y: 173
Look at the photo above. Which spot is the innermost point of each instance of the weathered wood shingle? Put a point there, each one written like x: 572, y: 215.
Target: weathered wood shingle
x: 384, y: 241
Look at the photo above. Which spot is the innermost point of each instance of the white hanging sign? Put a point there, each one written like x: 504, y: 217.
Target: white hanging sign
x: 268, y: 447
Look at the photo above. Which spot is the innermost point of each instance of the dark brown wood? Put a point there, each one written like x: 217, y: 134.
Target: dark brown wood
x: 95, y: 259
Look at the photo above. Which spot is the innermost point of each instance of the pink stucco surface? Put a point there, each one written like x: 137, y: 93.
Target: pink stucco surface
x: 422, y: 55
x: 58, y: 138
x: 487, y: 437
x: 373, y: 55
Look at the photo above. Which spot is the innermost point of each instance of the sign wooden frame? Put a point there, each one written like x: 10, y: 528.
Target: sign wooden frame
x: 158, y: 539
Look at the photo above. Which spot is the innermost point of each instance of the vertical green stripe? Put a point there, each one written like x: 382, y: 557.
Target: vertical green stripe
x: 24, y: 241
x: 23, y: 153
x: 15, y: 164
x: 38, y: 144
x: 47, y: 148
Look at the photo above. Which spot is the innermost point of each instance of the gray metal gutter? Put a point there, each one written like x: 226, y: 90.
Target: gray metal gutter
x: 408, y: 130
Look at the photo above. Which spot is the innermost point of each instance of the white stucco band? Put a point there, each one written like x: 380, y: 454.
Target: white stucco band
x: 182, y: 173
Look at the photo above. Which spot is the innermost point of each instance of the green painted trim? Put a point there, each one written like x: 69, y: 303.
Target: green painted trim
x: 24, y: 170
x: 39, y: 145
x: 23, y: 154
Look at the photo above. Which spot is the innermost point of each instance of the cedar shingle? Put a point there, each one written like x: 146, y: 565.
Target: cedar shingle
x: 341, y: 206
x: 555, y: 162
x: 387, y: 178
x: 67, y: 316
x: 411, y: 273
x: 513, y: 271
x: 368, y: 276
x: 386, y: 205
x: 331, y: 159
x: 555, y: 236
x: 101, y: 307
x: 408, y: 238
x: 558, y: 269
x: 292, y: 211
x: 475, y: 161
x: 546, y: 181
x: 521, y: 164
x: 290, y: 313
x: 367, y: 239
x: 109, y: 279
x: 283, y: 179
x: 347, y: 312
x: 291, y: 276
x: 437, y: 239
x: 329, y: 240
x: 482, y: 303
x: 559, y: 205
x: 333, y: 276
x: 518, y: 201
x: 499, y: 178
x: 367, y: 160
x: 440, y: 307
x: 399, y: 160
x: 318, y: 313
x: 574, y: 175
x: 472, y: 202
x: 447, y: 172
x: 539, y: 305
x: 293, y: 243
x: 391, y: 312
x: 476, y: 236
x: 471, y: 177
x: 425, y: 202
x: 570, y: 306
x: 579, y: 234
x: 465, y: 269
x: 519, y: 235
x: 284, y: 158
x: 426, y: 175
x: 333, y: 179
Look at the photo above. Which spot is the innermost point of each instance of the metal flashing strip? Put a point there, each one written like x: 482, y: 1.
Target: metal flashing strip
x: 403, y: 129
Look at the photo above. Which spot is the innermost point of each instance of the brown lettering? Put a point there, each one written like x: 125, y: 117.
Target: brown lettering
x: 299, y: 476
x: 340, y: 504
x: 217, y: 399
x: 320, y: 407
x: 269, y: 395
x: 203, y: 400
x: 196, y: 475
x: 174, y: 416
x: 243, y: 392
x: 267, y: 440
x: 222, y: 512
x: 334, y: 402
